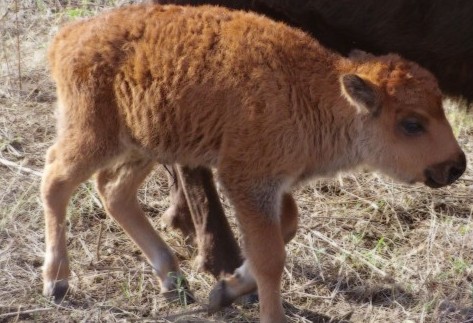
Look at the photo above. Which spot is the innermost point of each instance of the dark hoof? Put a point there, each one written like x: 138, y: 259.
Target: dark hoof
x: 57, y: 290
x: 219, y: 297
x: 250, y: 299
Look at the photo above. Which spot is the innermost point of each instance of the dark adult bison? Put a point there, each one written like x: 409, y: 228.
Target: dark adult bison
x: 436, y: 34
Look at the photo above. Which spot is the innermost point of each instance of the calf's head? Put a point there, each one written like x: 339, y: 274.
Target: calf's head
x: 405, y: 132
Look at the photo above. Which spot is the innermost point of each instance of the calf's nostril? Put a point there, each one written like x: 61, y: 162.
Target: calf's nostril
x: 455, y: 173
x: 445, y: 173
x: 462, y: 161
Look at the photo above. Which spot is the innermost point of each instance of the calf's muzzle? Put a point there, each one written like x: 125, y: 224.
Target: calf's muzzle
x: 445, y: 173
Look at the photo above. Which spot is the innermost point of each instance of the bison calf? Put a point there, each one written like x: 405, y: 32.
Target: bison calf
x: 265, y: 104
x: 433, y: 33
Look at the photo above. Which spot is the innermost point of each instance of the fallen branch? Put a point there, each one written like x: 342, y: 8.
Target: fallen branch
x: 107, y: 270
x: 20, y: 168
x: 19, y: 312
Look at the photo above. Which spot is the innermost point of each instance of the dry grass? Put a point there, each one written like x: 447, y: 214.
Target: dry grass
x: 368, y: 249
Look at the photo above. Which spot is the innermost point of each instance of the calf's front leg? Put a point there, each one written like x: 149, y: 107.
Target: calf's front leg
x: 242, y: 282
x: 258, y: 209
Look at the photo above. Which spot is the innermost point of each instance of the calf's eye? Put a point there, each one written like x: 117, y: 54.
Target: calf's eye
x: 412, y: 127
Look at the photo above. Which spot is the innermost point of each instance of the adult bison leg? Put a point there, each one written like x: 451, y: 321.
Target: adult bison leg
x: 196, y: 209
x: 178, y: 215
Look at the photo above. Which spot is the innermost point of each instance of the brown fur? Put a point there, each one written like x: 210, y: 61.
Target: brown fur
x: 264, y: 103
x: 200, y: 216
x: 218, y: 251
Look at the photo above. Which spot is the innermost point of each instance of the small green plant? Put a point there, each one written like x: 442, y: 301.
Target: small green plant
x: 464, y: 229
x: 181, y: 287
x: 380, y: 245
x: 372, y: 256
x: 381, y: 204
x: 126, y: 290
x: 443, y: 276
x: 75, y: 13
x: 460, y: 265
x: 41, y: 6
x: 430, y: 305
x: 356, y: 237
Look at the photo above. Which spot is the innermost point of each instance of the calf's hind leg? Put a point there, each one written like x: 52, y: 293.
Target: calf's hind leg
x: 118, y: 188
x: 63, y: 172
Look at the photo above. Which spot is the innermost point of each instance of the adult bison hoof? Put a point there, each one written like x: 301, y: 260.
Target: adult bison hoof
x: 56, y: 289
x: 219, y: 297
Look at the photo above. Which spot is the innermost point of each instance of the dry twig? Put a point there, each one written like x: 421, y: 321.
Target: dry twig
x: 20, y: 168
x: 19, y: 312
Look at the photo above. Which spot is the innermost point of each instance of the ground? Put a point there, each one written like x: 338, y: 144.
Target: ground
x: 367, y: 250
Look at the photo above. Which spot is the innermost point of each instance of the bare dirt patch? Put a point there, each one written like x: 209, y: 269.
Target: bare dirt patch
x: 367, y: 250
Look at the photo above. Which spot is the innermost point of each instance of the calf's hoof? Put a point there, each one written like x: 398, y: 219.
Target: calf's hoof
x: 219, y: 297
x: 182, y: 296
x: 56, y: 289
x: 250, y: 299
x: 175, y: 289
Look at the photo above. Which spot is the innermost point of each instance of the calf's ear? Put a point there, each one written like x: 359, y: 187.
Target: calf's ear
x: 361, y: 93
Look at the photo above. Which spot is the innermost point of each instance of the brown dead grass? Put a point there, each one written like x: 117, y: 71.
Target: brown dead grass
x: 368, y: 249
